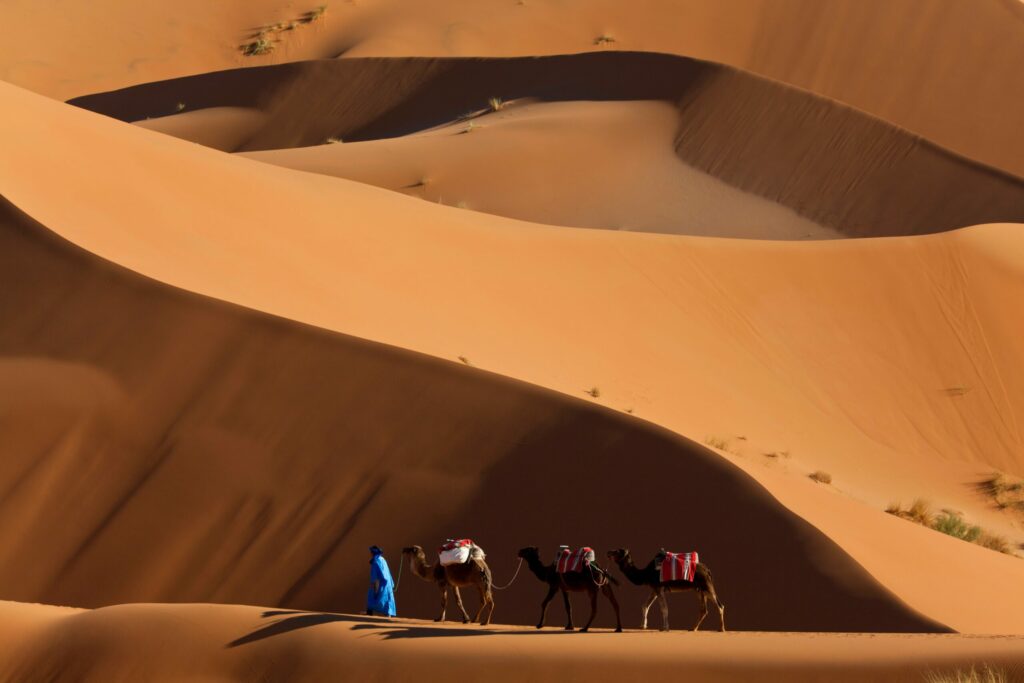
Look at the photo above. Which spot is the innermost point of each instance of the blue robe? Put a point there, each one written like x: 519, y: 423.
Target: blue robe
x: 383, y: 600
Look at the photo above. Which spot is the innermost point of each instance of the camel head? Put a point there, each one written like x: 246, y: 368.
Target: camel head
x: 414, y: 550
x: 619, y: 556
x: 530, y: 551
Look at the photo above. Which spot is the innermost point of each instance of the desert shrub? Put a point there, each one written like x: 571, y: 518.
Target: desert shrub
x: 496, y: 103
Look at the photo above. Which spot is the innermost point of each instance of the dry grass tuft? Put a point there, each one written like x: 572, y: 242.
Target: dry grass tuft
x: 920, y: 511
x: 496, y: 103
x: 333, y: 141
x: 1007, y: 494
x: 261, y: 46
x: 603, y: 39
x: 821, y: 477
x: 717, y: 442
x: 314, y: 14
x: 593, y: 391
x: 986, y: 674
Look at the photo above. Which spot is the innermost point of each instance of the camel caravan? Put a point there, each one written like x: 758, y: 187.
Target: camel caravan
x: 461, y: 563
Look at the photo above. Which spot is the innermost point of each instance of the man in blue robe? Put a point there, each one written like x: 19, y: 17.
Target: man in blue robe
x: 380, y: 599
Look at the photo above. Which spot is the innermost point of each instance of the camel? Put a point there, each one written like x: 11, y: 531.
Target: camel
x: 475, y: 572
x: 589, y: 580
x: 651, y: 576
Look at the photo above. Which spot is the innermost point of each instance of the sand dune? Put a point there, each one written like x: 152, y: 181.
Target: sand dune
x: 586, y: 164
x: 291, y: 450
x: 947, y: 71
x: 692, y: 334
x: 234, y: 643
x: 832, y: 165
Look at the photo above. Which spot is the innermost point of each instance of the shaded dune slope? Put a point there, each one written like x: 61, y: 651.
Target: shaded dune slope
x: 832, y: 164
x: 177, y: 448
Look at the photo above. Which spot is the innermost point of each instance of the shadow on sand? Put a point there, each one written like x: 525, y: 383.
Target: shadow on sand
x: 292, y: 620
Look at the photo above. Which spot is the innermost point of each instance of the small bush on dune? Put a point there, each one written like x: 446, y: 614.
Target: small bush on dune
x: 821, y: 477
x: 603, y: 39
x: 593, y: 391
x: 496, y: 103
x: 953, y: 525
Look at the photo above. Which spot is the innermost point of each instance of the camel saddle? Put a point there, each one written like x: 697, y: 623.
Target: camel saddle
x: 574, y: 560
x: 678, y: 566
x: 455, y: 551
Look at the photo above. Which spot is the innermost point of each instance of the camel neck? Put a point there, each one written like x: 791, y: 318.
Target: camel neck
x: 632, y: 572
x: 539, y: 569
x: 420, y: 566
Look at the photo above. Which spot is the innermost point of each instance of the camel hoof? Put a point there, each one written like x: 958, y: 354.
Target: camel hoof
x: 584, y: 629
x: 618, y: 630
x: 569, y: 628
x: 540, y: 626
x: 438, y: 619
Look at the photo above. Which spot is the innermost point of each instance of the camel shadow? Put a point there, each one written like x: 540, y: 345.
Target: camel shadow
x: 294, y: 620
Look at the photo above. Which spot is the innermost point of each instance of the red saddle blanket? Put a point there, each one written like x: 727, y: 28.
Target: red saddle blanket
x: 574, y: 560
x: 679, y: 566
x: 454, y: 545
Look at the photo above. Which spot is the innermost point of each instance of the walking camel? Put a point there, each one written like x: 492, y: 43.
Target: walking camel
x: 590, y: 580
x: 474, y: 572
x: 651, y: 576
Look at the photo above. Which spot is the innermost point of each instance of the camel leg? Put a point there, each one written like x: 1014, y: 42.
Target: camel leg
x: 462, y: 608
x: 544, y: 605
x: 720, y: 606
x: 610, y: 594
x: 644, y: 608
x: 490, y: 612
x: 592, y: 592
x: 703, y: 609
x: 483, y: 602
x: 568, y: 611
x: 486, y: 600
x: 444, y: 601
x: 664, y: 610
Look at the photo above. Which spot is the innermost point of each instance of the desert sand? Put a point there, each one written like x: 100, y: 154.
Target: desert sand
x: 227, y: 643
x: 260, y: 312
